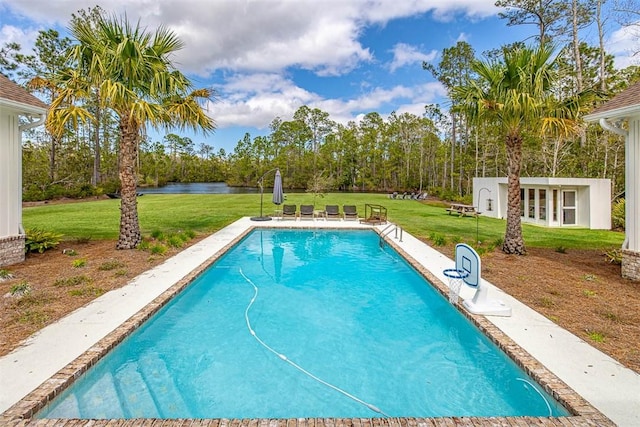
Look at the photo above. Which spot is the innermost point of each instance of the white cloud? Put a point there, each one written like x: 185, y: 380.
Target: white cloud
x: 463, y: 37
x: 253, y: 47
x: 254, y: 100
x: 404, y: 54
x: 12, y: 34
x: 262, y: 35
x: 623, y: 44
x: 445, y: 10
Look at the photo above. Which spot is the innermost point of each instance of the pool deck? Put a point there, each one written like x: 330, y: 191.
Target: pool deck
x: 600, y: 380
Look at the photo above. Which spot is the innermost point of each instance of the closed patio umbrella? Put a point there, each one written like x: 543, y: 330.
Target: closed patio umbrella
x: 277, y: 193
x: 278, y: 196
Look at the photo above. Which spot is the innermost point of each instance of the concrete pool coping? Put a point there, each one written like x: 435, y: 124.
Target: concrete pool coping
x: 48, y: 360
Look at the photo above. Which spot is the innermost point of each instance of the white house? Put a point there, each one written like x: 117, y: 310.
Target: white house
x: 19, y: 111
x: 551, y: 202
x: 621, y: 115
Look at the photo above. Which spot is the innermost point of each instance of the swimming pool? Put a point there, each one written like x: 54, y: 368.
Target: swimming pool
x: 383, y: 336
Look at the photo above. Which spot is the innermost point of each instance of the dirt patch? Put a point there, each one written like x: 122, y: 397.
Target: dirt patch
x: 62, y: 280
x: 579, y: 290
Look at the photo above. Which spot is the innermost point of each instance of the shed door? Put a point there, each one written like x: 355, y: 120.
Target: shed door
x: 569, y: 207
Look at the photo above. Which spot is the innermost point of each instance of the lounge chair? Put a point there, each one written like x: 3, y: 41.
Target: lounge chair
x: 332, y: 212
x: 289, y: 211
x: 306, y: 211
x: 350, y: 212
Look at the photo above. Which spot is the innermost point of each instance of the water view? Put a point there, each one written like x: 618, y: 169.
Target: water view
x: 198, y: 188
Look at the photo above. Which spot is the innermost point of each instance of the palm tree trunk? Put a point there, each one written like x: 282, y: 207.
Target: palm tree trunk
x: 513, y: 241
x: 129, y: 225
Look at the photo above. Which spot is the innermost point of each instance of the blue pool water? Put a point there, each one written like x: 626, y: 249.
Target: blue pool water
x: 297, y: 323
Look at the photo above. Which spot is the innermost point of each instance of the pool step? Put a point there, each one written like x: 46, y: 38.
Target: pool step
x: 135, y: 397
x: 162, y: 387
x: 102, y: 394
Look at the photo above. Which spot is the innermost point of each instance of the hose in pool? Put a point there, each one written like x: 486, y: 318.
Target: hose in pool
x: 291, y: 362
x: 538, y: 391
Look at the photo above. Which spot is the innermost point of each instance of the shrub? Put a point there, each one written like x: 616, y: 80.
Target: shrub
x: 81, y: 191
x: 157, y: 234
x: 438, y: 239
x: 21, y: 289
x: 5, y: 275
x: 71, y: 281
x: 112, y: 186
x: 38, y: 240
x: 111, y: 265
x: 158, y: 249
x: 175, y: 241
x: 87, y: 291
x: 79, y: 263
x: 614, y: 256
x: 32, y: 194
x: 617, y: 214
x: 596, y: 336
x: 54, y: 191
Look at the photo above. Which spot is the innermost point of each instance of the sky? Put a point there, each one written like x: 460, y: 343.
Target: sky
x: 267, y: 58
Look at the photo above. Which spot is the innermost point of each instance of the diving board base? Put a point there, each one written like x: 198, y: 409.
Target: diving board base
x: 488, y: 308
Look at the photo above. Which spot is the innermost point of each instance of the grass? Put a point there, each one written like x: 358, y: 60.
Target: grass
x: 71, y: 281
x: 111, y: 265
x: 205, y: 213
x: 79, y: 263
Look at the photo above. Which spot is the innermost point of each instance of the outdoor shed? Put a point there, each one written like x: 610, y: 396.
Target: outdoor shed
x: 621, y: 115
x: 19, y: 111
x: 551, y: 202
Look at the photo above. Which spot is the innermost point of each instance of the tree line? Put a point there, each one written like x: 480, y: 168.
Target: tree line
x: 92, y: 137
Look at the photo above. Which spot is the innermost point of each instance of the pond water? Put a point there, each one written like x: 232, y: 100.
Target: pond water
x: 198, y: 188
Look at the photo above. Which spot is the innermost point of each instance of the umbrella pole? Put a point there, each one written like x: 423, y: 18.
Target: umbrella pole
x: 261, y: 194
x: 260, y: 183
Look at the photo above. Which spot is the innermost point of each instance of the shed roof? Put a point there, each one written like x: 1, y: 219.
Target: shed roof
x: 624, y: 104
x: 10, y: 91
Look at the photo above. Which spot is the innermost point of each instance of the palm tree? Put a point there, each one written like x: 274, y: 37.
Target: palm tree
x: 132, y: 71
x: 517, y: 95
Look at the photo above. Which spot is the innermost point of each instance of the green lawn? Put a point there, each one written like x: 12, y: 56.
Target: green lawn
x: 206, y: 213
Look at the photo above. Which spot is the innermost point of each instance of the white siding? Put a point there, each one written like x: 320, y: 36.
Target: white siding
x: 10, y: 175
x: 593, y: 199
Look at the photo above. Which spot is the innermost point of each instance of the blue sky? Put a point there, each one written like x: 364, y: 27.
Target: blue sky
x: 266, y: 58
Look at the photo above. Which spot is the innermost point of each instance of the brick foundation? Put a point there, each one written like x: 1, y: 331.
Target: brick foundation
x: 12, y: 249
x: 631, y: 265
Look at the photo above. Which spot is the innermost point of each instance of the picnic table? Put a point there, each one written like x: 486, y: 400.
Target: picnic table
x: 462, y: 210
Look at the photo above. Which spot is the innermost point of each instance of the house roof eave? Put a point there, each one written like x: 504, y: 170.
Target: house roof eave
x: 22, y: 108
x: 618, y: 113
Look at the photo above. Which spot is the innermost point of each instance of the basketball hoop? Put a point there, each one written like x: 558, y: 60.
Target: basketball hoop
x: 456, y: 278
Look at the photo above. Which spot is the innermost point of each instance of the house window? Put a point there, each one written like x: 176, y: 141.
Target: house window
x: 532, y: 203
x: 542, y: 204
x: 522, y: 202
x: 554, y: 206
x: 569, y: 207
